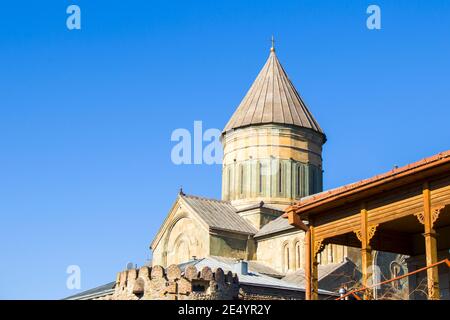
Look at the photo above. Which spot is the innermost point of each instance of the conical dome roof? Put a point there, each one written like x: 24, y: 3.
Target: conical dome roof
x: 272, y: 98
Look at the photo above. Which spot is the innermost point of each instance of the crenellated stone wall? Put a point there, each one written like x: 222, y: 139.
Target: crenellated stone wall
x: 157, y: 283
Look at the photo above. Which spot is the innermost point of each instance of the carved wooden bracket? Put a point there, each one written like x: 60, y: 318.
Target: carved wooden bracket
x: 318, y: 246
x: 421, y: 217
x: 358, y: 234
x: 435, y: 211
x: 371, y: 232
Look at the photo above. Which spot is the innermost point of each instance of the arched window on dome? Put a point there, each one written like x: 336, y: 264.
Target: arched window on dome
x: 229, y: 182
x: 280, y: 177
x: 300, y: 180
x: 313, y: 183
x: 262, y: 172
x: 241, y: 179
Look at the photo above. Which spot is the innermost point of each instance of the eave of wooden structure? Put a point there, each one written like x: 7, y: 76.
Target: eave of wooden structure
x: 389, y: 212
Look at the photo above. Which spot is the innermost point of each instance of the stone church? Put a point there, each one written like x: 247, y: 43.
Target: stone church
x: 272, y: 158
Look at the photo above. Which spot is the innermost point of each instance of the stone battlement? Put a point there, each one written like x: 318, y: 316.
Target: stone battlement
x: 157, y: 283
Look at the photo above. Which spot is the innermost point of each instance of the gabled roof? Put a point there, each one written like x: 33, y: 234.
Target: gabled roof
x: 218, y: 214
x: 277, y: 225
x: 272, y: 98
x: 212, y: 214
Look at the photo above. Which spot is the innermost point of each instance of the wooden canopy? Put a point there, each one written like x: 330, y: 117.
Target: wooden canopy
x: 395, y: 212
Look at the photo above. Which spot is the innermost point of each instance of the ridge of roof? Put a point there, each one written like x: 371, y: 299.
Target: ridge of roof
x: 218, y: 214
x: 192, y: 196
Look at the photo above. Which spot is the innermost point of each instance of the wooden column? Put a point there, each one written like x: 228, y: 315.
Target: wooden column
x: 364, y: 234
x: 430, y: 244
x: 316, y: 247
x: 295, y: 220
x: 308, y: 251
x: 315, y: 279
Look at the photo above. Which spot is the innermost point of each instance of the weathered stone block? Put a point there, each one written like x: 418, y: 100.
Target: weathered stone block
x: 144, y: 273
x: 219, y: 276
x: 184, y: 286
x: 191, y: 272
x: 173, y: 272
x: 157, y: 272
x: 171, y: 287
x: 206, y: 274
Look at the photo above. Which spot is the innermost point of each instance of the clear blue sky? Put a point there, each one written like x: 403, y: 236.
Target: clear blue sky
x: 86, y: 116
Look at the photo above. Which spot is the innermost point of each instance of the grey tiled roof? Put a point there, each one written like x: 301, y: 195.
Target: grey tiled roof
x: 253, y: 278
x: 219, y: 214
x: 272, y: 98
x: 331, y: 276
x: 277, y: 225
x: 298, y: 276
x: 252, y: 266
x: 260, y: 205
x: 94, y: 292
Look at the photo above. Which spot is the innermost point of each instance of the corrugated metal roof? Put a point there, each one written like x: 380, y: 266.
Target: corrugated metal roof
x: 252, y: 266
x: 99, y: 291
x: 253, y: 278
x: 274, y: 226
x: 219, y: 214
x: 337, y: 274
x: 272, y: 98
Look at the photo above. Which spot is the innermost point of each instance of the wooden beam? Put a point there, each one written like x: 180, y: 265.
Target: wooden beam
x: 383, y: 240
x: 430, y: 245
x: 294, y: 220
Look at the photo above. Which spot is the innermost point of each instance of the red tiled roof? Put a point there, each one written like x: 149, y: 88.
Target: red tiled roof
x: 439, y: 158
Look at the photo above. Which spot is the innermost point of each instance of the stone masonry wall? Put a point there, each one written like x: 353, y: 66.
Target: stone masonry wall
x: 157, y: 283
